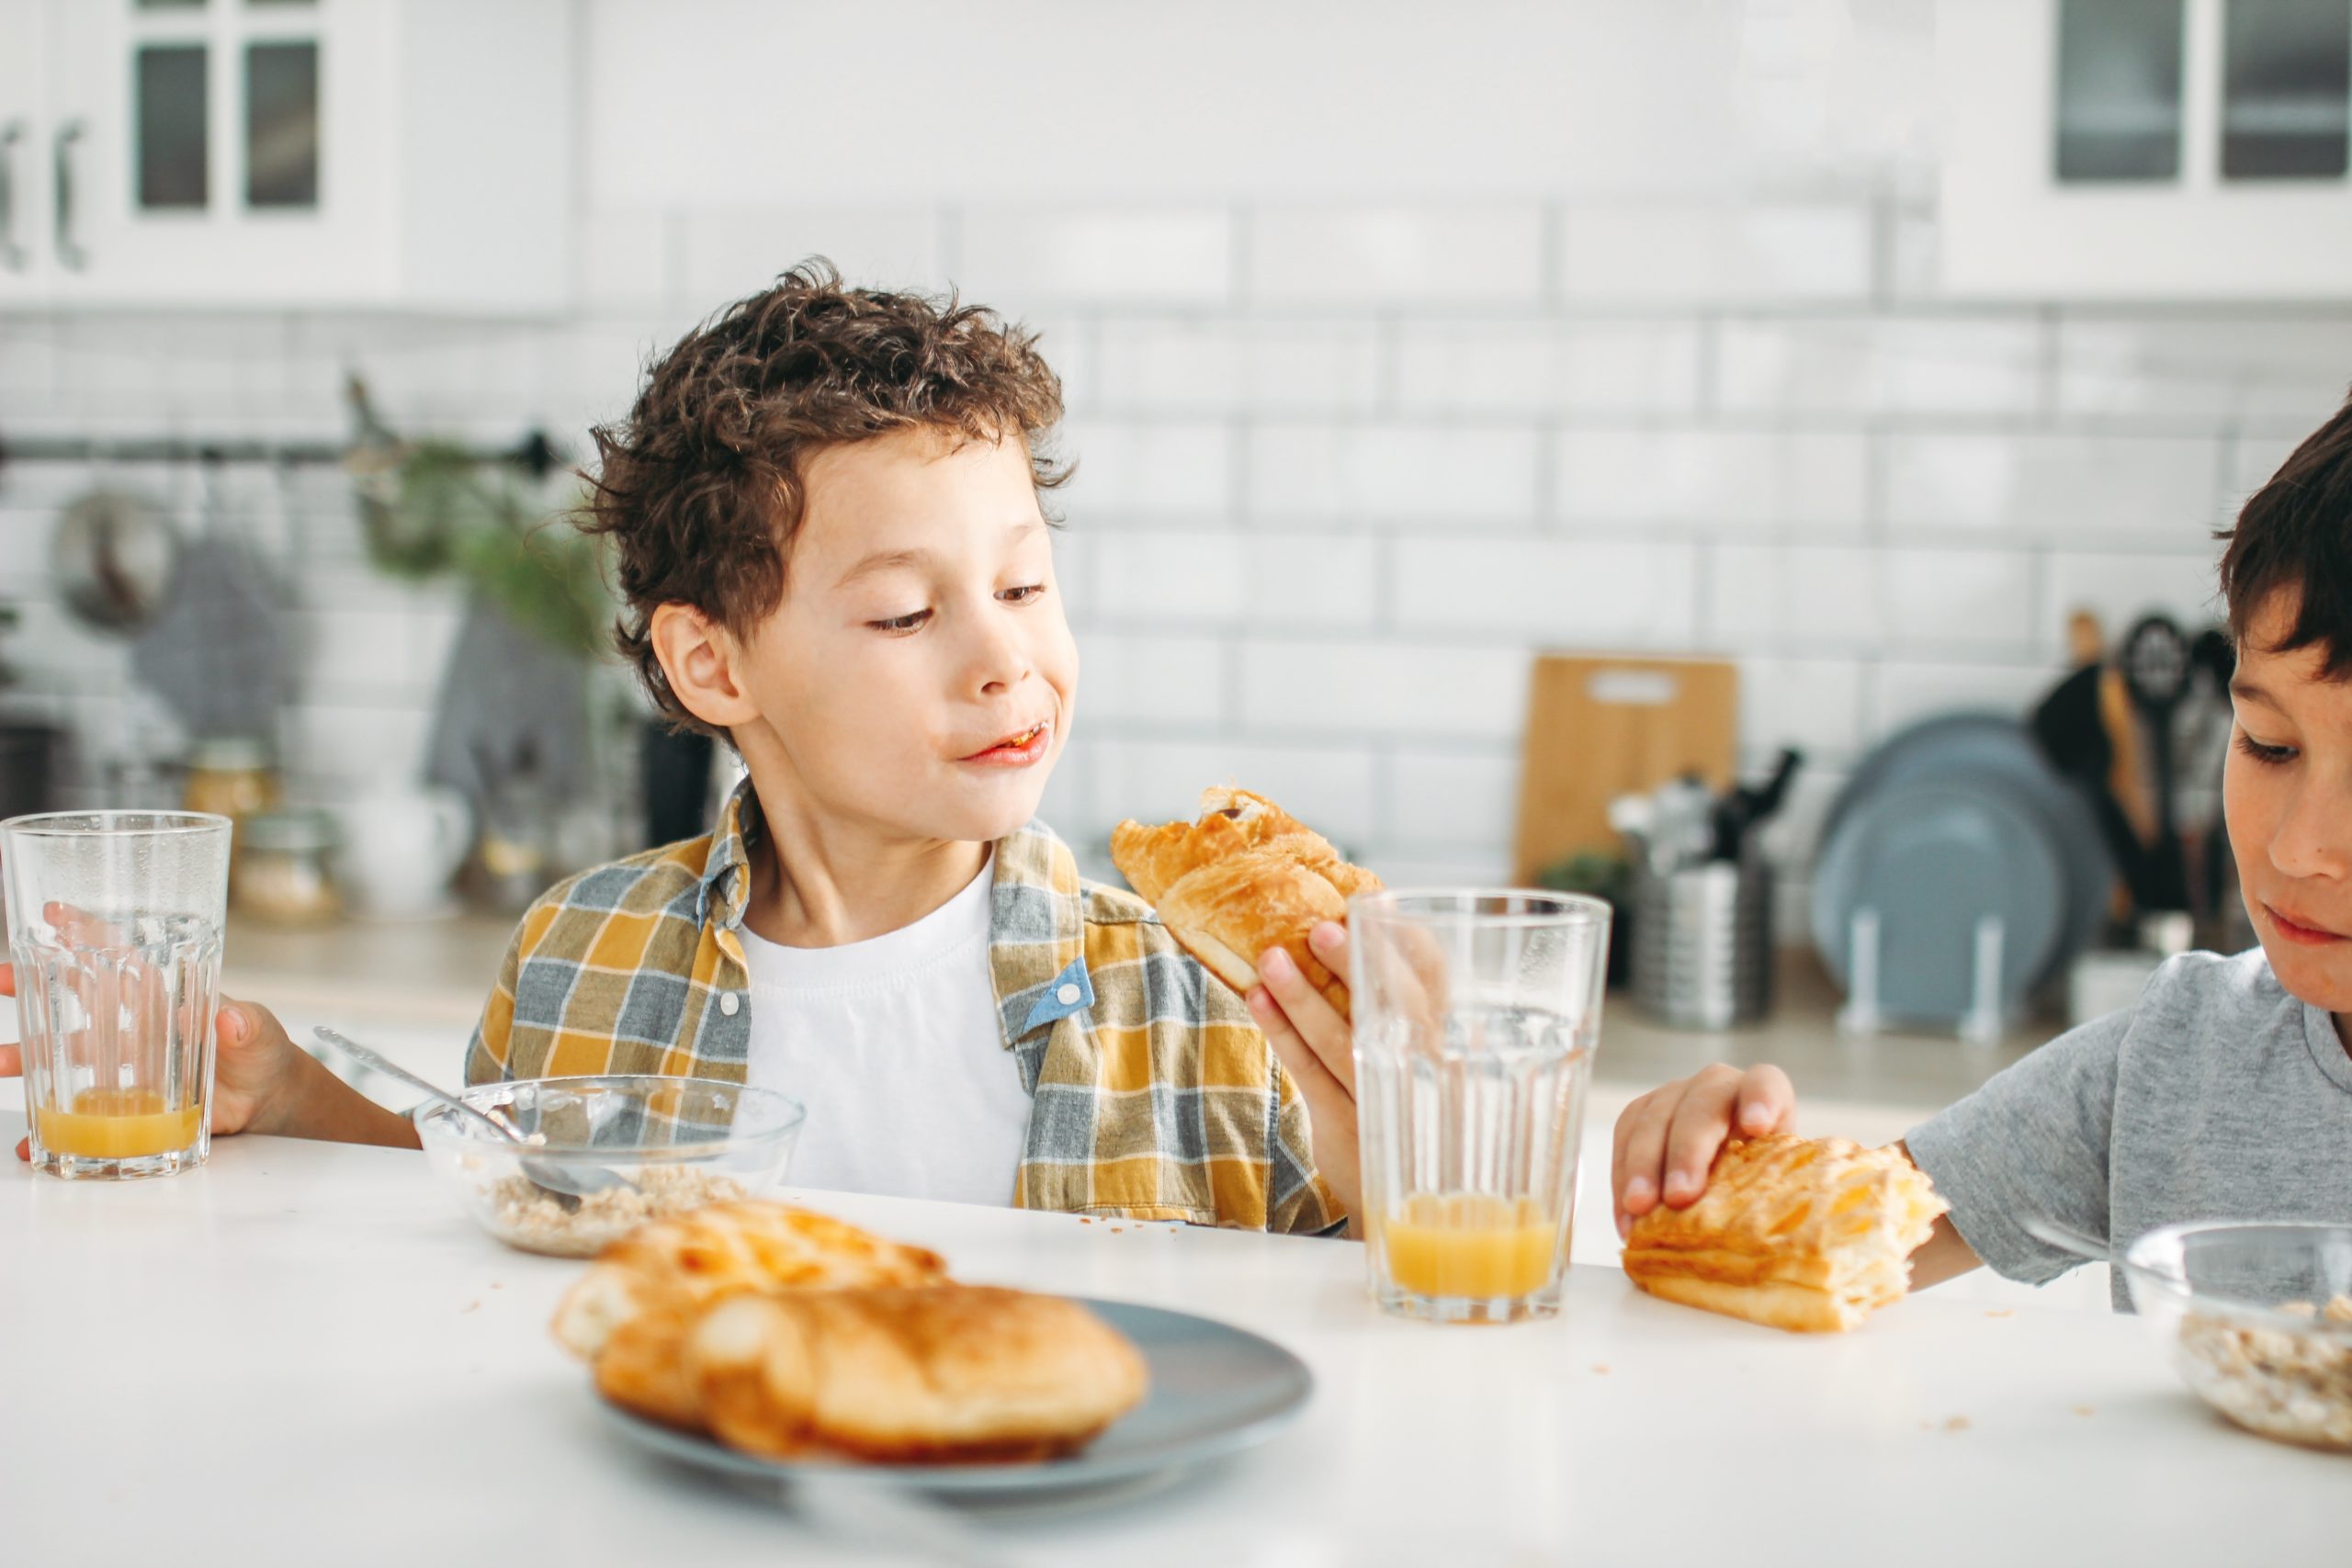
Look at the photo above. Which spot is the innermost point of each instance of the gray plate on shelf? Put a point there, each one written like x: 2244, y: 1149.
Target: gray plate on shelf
x: 1215, y: 1388
x: 1932, y: 856
x: 2000, y: 743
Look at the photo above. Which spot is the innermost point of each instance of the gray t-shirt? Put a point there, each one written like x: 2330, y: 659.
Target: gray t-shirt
x: 2220, y: 1097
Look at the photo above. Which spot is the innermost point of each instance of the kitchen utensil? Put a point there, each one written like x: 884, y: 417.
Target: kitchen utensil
x: 1477, y: 1013
x: 399, y: 846
x: 566, y: 1181
x: 2156, y: 660
x: 1600, y: 726
x: 1934, y: 859
x: 115, y: 927
x: 1744, y: 809
x: 114, y: 556
x: 1998, y: 744
x: 1216, y: 1389
x: 2216, y: 1293
x: 672, y: 1144
x: 1702, y: 939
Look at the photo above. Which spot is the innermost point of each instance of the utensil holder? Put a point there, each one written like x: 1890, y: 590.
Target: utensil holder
x: 1702, y: 942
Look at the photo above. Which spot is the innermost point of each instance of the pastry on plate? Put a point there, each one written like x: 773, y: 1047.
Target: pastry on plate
x: 1811, y: 1234
x: 1241, y: 877
x: 672, y: 1266
x: 935, y: 1374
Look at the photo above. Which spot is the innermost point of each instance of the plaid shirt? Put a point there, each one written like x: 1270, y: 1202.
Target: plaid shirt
x: 1152, y: 1094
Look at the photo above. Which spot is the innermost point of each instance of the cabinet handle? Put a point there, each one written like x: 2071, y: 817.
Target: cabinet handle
x: 68, y: 251
x: 12, y: 254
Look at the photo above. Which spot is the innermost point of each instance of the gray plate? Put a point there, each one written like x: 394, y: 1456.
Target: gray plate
x: 1215, y: 1388
x: 2001, y: 743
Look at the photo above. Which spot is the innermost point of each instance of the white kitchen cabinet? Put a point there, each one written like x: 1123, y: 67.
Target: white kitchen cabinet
x: 268, y: 153
x: 2146, y: 149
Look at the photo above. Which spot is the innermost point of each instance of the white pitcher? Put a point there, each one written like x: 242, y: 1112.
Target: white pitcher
x: 400, y: 844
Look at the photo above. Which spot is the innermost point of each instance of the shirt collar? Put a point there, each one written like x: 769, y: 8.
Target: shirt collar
x: 726, y: 870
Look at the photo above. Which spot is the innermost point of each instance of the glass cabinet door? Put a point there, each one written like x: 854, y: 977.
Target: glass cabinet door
x: 2285, y: 89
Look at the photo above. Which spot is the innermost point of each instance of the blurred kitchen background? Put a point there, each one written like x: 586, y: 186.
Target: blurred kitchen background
x: 1847, y: 349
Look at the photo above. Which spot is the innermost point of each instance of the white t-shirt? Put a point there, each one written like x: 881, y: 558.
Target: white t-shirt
x: 892, y: 1043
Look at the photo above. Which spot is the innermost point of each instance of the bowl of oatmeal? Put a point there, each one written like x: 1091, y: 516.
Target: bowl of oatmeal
x: 2258, y: 1321
x: 652, y: 1146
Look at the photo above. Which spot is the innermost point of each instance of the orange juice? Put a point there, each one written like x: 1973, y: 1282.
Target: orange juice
x: 117, y: 1123
x: 1470, y: 1244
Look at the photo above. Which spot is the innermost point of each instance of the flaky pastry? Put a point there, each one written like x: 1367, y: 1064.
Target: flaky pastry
x: 937, y: 1375
x: 674, y: 1265
x: 1810, y: 1235
x: 1243, y: 877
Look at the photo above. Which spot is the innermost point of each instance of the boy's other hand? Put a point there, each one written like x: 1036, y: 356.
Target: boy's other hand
x: 1668, y: 1139
x: 257, y: 1071
x: 1317, y: 1049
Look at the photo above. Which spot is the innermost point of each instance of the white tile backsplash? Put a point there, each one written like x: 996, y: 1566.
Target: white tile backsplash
x: 1323, y: 258
x: 1343, y: 469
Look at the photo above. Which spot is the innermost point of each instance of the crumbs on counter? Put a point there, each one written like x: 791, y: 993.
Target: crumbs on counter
x: 1601, y: 1368
x: 2081, y: 1410
x: 2001, y: 1312
x: 1957, y: 1424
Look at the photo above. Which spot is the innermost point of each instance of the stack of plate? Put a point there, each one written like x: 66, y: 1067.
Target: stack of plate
x: 1955, y: 819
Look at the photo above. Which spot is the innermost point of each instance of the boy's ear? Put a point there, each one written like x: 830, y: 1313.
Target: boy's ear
x: 698, y: 659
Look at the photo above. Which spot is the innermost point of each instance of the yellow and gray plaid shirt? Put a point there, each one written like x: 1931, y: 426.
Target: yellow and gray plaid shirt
x: 1152, y: 1094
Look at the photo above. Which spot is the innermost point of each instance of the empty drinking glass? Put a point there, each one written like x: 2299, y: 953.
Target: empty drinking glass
x: 115, y: 922
x: 1476, y: 1014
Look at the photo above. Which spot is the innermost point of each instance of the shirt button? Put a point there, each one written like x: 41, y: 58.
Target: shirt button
x: 1067, y: 995
x: 731, y: 1004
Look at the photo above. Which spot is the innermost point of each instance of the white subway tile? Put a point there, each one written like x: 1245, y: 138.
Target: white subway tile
x: 1970, y: 365
x: 2251, y: 463
x: 1393, y: 472
x: 1328, y: 255
x: 1398, y: 689
x: 2120, y: 589
x: 1408, y: 868
x: 2147, y: 488
x: 731, y: 253
x: 1330, y: 786
x: 1570, y: 592
x: 1151, y: 679
x: 1296, y: 581
x: 1017, y: 258
x: 1509, y: 368
x: 1916, y: 261
x: 348, y: 744
x: 1147, y: 468
x: 1197, y: 366
x: 1068, y: 805
x: 2280, y: 376
x: 1451, y: 800
x: 1169, y: 578
x: 1908, y: 692
x: 1651, y: 251
x: 625, y: 258
x: 1867, y: 597
x: 1815, y: 704
x: 1816, y: 480
x: 53, y: 651
x: 345, y: 651
x: 27, y: 368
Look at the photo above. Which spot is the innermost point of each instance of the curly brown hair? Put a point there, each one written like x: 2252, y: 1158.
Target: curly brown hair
x: 701, y: 490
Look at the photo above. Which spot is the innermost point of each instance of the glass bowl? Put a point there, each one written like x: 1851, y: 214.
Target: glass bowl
x: 2259, y: 1319
x: 678, y: 1143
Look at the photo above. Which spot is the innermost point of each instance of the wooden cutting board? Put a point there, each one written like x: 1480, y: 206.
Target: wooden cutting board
x: 1599, y: 726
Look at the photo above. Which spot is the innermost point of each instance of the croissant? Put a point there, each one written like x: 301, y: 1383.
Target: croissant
x: 673, y: 1265
x: 934, y: 1374
x: 1242, y: 877
x: 1810, y: 1235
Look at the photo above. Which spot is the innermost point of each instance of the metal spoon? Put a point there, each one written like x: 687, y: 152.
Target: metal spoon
x: 567, y: 1185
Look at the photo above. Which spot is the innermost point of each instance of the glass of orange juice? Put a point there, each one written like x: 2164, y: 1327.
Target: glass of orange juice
x: 1477, y: 1013
x: 115, y: 925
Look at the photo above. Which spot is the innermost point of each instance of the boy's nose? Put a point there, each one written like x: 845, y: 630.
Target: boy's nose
x: 2314, y: 835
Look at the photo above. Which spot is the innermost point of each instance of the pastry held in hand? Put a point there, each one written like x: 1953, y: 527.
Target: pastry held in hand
x: 1811, y: 1234
x: 669, y: 1267
x: 940, y: 1374
x: 1243, y: 877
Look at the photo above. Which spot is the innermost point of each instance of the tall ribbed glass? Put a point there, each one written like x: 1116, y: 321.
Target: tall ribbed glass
x: 115, y: 925
x: 1476, y: 1014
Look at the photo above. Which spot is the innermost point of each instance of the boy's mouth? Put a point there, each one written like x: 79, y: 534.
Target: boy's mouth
x: 2297, y: 930
x: 1018, y: 749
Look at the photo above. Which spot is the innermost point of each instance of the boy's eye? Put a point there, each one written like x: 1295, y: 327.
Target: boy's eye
x: 2271, y: 756
x: 1023, y: 595
x: 905, y: 623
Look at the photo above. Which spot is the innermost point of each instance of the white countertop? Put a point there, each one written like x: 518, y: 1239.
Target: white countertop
x: 304, y: 1354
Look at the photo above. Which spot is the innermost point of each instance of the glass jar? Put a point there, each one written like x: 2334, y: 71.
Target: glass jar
x: 282, y: 874
x: 232, y: 777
